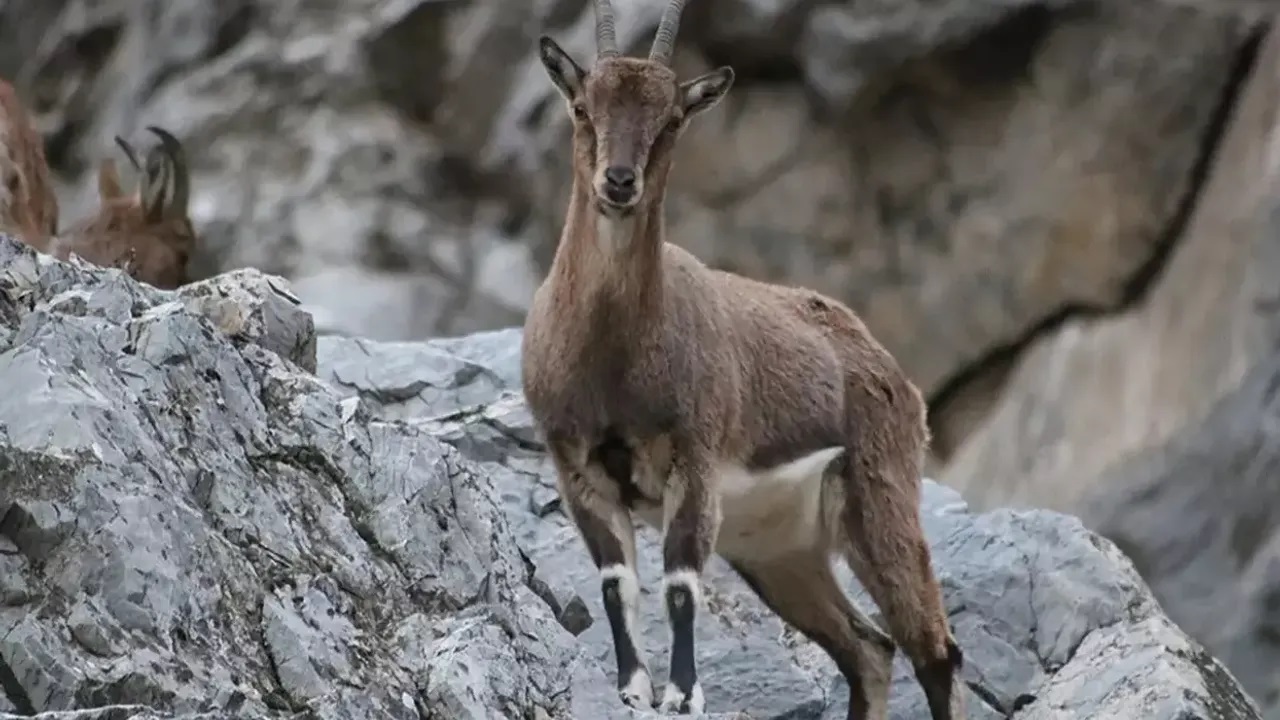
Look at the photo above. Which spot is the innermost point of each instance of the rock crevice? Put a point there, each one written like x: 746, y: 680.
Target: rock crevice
x: 972, y: 389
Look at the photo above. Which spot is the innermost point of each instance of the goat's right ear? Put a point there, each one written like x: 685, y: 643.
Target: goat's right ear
x: 129, y: 152
x: 567, y: 75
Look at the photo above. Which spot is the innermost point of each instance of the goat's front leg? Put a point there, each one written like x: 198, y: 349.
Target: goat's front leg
x: 691, y: 510
x: 607, y: 530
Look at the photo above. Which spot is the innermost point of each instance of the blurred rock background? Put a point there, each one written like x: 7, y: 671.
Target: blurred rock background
x: 1062, y: 216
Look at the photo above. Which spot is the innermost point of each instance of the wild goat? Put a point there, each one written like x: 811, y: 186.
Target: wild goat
x: 28, y: 205
x: 754, y: 420
x: 147, y: 232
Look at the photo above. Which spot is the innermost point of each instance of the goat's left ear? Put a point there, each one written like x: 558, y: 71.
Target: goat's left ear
x: 704, y: 91
x: 109, y: 181
x: 567, y: 75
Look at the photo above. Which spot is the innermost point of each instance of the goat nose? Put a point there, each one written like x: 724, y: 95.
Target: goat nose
x: 619, y: 184
x: 620, y: 177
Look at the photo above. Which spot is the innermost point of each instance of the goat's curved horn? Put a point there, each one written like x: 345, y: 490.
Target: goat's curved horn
x: 665, y: 39
x: 179, y: 175
x: 606, y: 40
x: 129, y: 153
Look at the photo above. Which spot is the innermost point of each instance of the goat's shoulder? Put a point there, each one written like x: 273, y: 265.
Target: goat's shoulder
x: 105, y: 249
x: 541, y: 345
x: 108, y: 237
x: 559, y: 376
x: 98, y: 235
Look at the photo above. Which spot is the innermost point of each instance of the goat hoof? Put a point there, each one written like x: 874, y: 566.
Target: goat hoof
x: 675, y: 702
x: 638, y: 691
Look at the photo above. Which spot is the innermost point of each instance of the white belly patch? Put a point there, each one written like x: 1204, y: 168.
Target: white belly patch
x: 768, y: 512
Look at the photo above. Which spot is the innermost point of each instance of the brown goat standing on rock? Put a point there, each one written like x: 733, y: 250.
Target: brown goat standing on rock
x: 147, y: 232
x: 754, y: 420
x: 28, y: 204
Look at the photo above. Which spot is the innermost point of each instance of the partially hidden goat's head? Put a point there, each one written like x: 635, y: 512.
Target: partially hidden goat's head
x: 628, y: 112
x: 164, y: 184
x: 147, y: 230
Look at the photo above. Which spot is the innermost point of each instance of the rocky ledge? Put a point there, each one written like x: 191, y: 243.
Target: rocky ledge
x: 193, y: 524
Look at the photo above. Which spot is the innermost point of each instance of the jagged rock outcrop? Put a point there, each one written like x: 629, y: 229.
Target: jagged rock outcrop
x: 194, y: 525
x: 959, y: 171
x: 962, y: 172
x: 193, y: 522
x: 1094, y: 391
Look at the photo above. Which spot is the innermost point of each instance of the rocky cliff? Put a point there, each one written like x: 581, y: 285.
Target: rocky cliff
x: 962, y: 172
x: 1060, y: 215
x: 1157, y: 425
x: 981, y: 179
x: 193, y: 524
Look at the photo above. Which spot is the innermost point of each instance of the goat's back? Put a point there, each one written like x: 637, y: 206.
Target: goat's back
x: 813, y: 376
x: 28, y: 204
x: 118, y: 236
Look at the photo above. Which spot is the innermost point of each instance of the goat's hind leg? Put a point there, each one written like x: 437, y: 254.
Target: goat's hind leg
x: 890, y: 556
x: 607, y: 530
x: 802, y: 590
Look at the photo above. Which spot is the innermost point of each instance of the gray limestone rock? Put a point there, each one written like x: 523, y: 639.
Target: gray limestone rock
x: 192, y: 525
x: 1199, y: 520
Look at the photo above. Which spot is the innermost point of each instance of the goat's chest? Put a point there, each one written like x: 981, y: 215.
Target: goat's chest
x: 587, y: 399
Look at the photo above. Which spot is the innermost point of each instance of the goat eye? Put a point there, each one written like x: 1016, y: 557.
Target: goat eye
x: 673, y: 126
x: 579, y: 112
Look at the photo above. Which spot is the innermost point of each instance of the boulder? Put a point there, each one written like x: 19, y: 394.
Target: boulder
x: 193, y: 525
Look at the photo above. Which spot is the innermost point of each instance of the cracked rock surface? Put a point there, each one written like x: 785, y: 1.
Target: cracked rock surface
x: 193, y: 525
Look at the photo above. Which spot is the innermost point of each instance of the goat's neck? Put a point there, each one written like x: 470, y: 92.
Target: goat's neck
x: 610, y: 269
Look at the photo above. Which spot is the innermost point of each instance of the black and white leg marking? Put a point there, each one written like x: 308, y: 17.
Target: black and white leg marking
x: 621, y: 590
x: 692, y: 520
x: 606, y: 529
x: 680, y: 593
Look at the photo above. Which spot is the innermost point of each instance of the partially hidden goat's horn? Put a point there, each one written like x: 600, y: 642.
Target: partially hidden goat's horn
x: 665, y: 39
x: 129, y: 153
x: 177, y: 168
x: 606, y: 40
